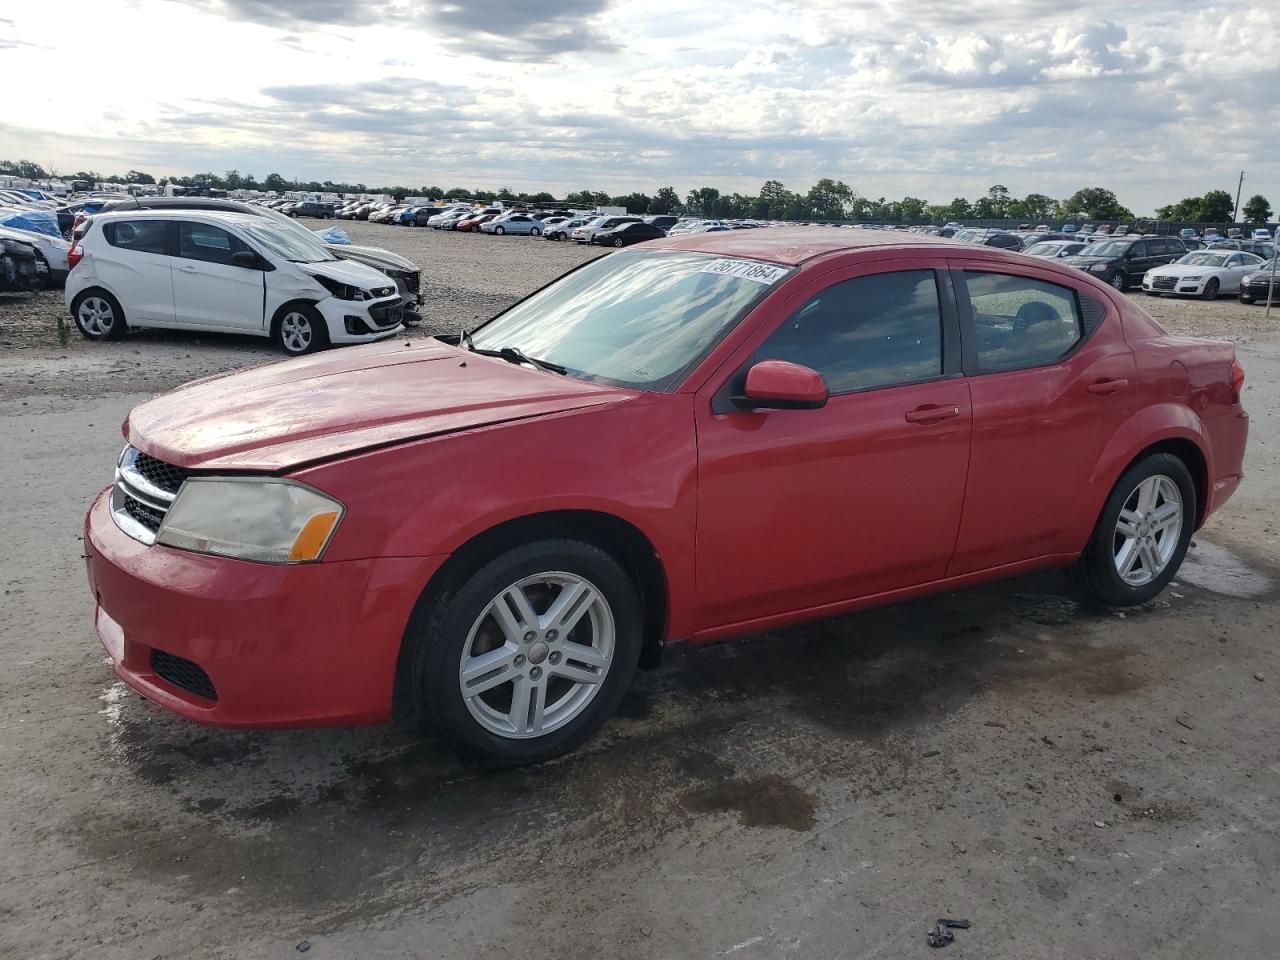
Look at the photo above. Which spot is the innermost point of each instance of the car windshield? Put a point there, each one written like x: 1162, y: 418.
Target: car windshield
x: 1266, y: 266
x: 1110, y: 248
x: 1043, y: 249
x: 1204, y: 259
x: 634, y: 319
x: 300, y: 246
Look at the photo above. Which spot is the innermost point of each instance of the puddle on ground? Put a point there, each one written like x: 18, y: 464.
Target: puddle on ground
x: 1220, y: 570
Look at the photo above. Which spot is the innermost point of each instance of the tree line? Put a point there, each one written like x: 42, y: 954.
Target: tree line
x: 827, y: 199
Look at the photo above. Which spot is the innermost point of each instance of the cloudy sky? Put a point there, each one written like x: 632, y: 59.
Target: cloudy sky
x: 1156, y: 99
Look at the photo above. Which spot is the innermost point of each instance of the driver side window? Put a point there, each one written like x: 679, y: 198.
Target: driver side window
x: 874, y: 331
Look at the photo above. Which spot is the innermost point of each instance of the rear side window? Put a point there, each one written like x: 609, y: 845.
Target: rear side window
x: 144, y: 236
x: 1021, y: 322
x: 202, y: 241
x: 874, y: 331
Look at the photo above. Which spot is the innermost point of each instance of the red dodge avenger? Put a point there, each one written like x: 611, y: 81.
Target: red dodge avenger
x: 691, y: 439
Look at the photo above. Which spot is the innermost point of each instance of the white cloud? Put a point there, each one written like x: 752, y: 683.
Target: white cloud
x: 1153, y: 98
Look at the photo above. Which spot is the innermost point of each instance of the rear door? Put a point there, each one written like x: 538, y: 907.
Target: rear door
x: 208, y: 289
x: 1052, y: 379
x: 137, y: 266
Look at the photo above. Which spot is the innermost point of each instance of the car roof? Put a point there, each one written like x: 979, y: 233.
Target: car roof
x: 793, y: 246
x: 230, y: 216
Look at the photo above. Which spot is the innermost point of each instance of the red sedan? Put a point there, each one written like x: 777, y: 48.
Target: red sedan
x: 697, y: 438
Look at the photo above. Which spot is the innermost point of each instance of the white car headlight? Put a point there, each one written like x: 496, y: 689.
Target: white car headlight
x: 268, y: 520
x: 1196, y: 279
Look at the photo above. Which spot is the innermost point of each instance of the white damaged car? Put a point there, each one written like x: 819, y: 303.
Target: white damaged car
x: 227, y: 273
x: 1201, y: 273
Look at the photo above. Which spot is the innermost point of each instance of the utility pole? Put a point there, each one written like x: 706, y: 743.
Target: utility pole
x: 1236, y: 211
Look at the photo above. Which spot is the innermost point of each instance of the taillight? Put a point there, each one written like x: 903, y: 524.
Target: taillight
x: 1237, y: 380
x: 74, y: 256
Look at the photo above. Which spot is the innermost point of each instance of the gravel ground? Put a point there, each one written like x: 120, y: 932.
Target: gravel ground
x: 1075, y: 782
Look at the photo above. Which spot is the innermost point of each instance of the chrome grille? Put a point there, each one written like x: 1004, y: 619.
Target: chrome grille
x: 144, y: 490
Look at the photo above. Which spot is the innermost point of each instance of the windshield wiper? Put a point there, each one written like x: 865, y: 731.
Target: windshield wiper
x: 517, y: 356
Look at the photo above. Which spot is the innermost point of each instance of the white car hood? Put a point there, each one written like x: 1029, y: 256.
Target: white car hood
x: 1183, y: 270
x: 348, y: 271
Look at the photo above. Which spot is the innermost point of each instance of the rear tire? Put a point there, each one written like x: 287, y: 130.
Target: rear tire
x: 98, y: 315
x: 1130, y: 558
x: 300, y: 329
x: 461, y: 625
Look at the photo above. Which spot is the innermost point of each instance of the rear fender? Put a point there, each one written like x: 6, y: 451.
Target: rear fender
x: 1146, y: 428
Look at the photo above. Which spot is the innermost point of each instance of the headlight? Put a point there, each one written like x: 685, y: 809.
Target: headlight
x: 1098, y: 268
x: 1195, y: 279
x: 271, y: 521
x: 340, y: 290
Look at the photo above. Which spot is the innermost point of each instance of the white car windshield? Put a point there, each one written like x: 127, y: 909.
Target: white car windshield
x: 1204, y: 259
x: 295, y: 246
x: 635, y: 319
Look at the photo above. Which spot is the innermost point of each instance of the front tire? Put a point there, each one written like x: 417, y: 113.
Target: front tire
x: 535, y: 232
x: 1210, y: 291
x: 499, y: 231
x: 301, y: 330
x: 1119, y: 280
x: 1142, y: 535
x: 527, y: 658
x: 98, y: 315
x: 617, y: 242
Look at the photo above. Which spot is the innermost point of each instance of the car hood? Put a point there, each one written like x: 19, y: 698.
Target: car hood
x: 373, y: 256
x: 284, y: 415
x: 1183, y: 270
x: 347, y: 271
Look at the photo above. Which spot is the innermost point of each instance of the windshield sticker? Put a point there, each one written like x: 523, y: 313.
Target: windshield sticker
x: 766, y: 273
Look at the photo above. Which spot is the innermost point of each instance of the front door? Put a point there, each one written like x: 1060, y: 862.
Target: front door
x: 801, y: 508
x: 208, y: 289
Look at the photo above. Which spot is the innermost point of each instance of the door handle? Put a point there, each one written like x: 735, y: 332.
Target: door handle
x: 1105, y: 387
x: 932, y: 413
x: 187, y: 269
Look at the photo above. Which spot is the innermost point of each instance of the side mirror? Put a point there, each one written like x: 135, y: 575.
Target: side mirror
x: 247, y: 259
x: 780, y: 385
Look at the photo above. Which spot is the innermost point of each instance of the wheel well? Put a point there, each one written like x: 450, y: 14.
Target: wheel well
x: 620, y: 539
x: 285, y: 308
x: 1191, y: 455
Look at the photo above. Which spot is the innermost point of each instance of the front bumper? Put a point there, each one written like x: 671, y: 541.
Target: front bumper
x: 362, y: 321
x: 1257, y: 292
x: 1173, y: 285
x: 282, y: 646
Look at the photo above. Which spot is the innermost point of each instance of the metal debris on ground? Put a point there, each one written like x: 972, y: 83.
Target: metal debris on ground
x: 941, y: 933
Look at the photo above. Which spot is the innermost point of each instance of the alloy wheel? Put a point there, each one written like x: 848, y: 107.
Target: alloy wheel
x: 96, y: 316
x: 295, y: 332
x: 537, y: 655
x: 1147, y: 530
x: 1117, y: 280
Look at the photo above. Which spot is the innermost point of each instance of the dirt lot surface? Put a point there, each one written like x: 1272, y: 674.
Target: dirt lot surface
x: 1075, y: 782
